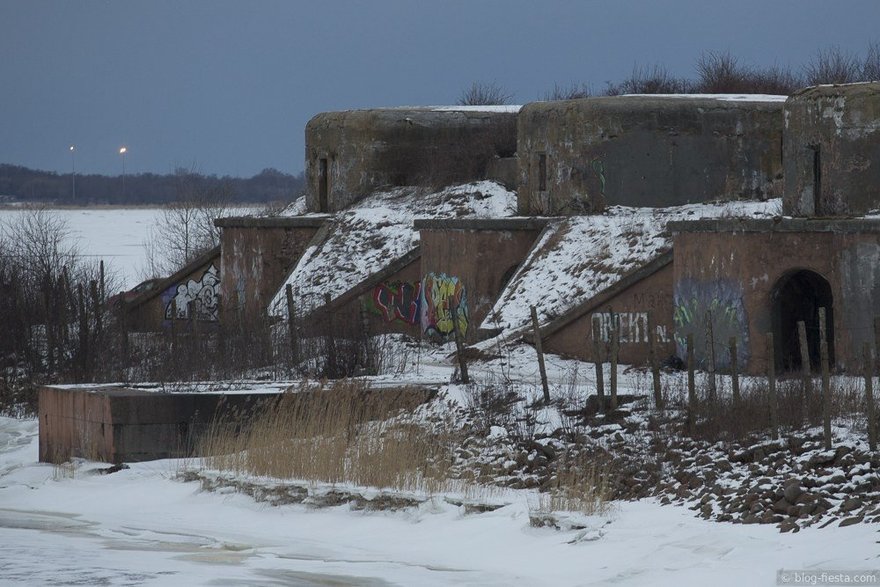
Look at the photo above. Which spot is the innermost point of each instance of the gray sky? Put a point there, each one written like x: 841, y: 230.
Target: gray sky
x: 228, y: 86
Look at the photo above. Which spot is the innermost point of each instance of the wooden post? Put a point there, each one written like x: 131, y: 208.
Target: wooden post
x: 459, y: 347
x: 102, y: 290
x: 806, y: 370
x: 710, y: 357
x: 173, y: 327
x: 615, y: 349
x: 734, y: 372
x: 83, y: 333
x: 291, y: 323
x: 598, y: 359
x: 538, y: 347
x: 826, y: 383
x: 692, y: 388
x: 331, y: 367
x: 96, y: 307
x: 771, y: 384
x: 655, y: 366
x: 869, y: 396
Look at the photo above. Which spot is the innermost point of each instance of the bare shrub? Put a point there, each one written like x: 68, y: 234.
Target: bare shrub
x: 650, y: 80
x: 832, y: 66
x: 582, y: 483
x: 573, y: 91
x: 484, y: 94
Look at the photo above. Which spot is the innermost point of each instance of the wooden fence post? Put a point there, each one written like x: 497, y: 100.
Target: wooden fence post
x: 826, y: 383
x: 540, y: 350
x: 459, y: 347
x: 291, y: 324
x: 692, y: 388
x: 655, y: 367
x: 869, y: 396
x: 806, y: 371
x: 734, y: 372
x: 710, y: 357
x: 598, y: 359
x: 615, y: 349
x: 771, y: 384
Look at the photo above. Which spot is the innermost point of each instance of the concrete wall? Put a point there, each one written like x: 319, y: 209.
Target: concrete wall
x: 257, y: 256
x: 630, y: 307
x: 832, y: 150
x: 196, y: 287
x: 480, y: 255
x: 116, y: 424
x: 579, y: 156
x: 351, y: 154
x: 732, y: 268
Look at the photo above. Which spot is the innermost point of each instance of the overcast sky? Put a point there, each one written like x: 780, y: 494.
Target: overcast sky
x: 228, y: 86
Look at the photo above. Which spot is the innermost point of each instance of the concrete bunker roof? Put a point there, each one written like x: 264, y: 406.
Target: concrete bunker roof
x: 856, y: 90
x: 650, y: 103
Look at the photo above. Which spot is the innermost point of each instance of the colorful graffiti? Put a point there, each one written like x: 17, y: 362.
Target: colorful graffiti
x: 632, y: 327
x: 440, y: 296
x: 398, y: 300
x: 204, y: 295
x: 719, y: 302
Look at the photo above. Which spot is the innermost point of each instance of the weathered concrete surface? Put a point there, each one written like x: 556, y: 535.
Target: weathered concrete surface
x: 832, y: 150
x: 117, y: 424
x: 195, y: 287
x: 579, y: 156
x: 646, y: 291
x: 734, y: 268
x: 257, y: 255
x: 351, y: 154
x: 481, y: 254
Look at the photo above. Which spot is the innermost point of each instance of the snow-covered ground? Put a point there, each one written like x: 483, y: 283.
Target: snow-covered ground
x: 70, y: 525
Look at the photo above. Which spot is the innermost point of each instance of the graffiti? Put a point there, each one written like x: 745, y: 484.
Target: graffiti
x: 440, y: 295
x: 632, y: 327
x: 719, y: 302
x: 398, y: 300
x: 204, y: 295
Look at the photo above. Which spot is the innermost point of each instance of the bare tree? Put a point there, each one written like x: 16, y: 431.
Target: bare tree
x: 573, y: 91
x: 185, y: 228
x: 832, y: 66
x: 484, y: 94
x: 650, y: 80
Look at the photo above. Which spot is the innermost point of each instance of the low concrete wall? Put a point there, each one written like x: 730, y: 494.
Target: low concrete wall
x: 117, y: 424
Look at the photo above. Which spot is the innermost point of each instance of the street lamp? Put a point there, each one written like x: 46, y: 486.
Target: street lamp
x: 122, y: 152
x: 73, y: 172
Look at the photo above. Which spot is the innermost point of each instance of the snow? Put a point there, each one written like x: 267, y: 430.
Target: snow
x: 577, y: 257
x: 115, y: 235
x: 378, y: 230
x: 140, y: 526
x: 720, y: 97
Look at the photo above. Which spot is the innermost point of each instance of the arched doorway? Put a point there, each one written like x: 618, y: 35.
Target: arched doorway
x: 797, y: 297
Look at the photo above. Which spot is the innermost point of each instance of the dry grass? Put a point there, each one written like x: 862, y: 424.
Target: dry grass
x: 582, y: 484
x: 344, y: 433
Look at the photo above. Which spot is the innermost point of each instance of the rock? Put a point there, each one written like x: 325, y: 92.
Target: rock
x: 850, y: 521
x: 788, y: 525
x: 792, y: 491
x: 851, y: 504
x: 781, y: 507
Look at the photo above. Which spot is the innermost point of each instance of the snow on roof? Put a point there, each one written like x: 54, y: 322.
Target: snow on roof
x: 722, y: 97
x: 378, y: 230
x: 578, y: 257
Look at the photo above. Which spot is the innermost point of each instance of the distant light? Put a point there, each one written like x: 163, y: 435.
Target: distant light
x: 71, y: 148
x: 122, y: 150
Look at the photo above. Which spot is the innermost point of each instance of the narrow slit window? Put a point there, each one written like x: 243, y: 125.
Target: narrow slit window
x: 817, y: 180
x: 542, y: 172
x: 323, y: 185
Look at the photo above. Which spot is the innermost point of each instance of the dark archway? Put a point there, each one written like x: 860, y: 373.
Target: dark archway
x: 797, y: 297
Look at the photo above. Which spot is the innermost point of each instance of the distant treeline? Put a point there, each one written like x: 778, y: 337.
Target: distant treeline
x: 31, y: 185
